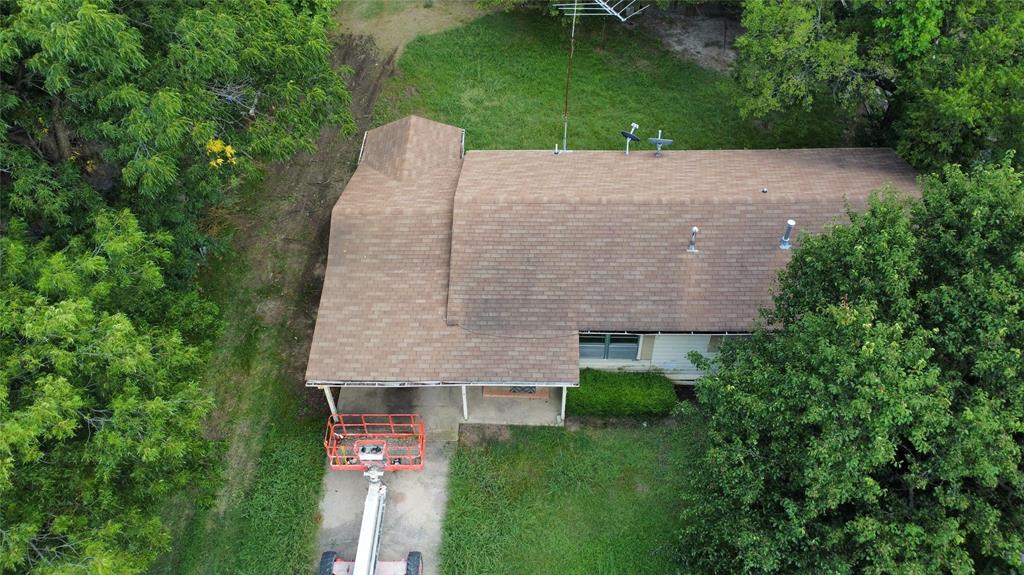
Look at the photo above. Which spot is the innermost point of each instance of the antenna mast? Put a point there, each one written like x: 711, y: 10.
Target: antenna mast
x: 568, y: 77
x: 621, y: 9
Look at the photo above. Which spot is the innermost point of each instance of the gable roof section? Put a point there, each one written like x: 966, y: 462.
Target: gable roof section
x: 411, y: 147
x: 381, y: 314
x: 596, y: 241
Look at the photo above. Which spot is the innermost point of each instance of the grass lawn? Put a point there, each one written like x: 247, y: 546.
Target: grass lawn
x: 546, y: 500
x: 502, y: 78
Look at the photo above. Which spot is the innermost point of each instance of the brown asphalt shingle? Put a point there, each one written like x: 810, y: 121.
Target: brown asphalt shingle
x: 381, y: 315
x: 597, y: 240
x: 544, y: 245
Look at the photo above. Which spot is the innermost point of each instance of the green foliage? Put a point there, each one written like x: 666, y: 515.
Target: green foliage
x: 100, y: 412
x: 121, y: 124
x: 872, y: 260
x: 606, y: 393
x: 145, y: 97
x: 789, y: 51
x: 940, y: 80
x: 552, y: 501
x: 877, y: 428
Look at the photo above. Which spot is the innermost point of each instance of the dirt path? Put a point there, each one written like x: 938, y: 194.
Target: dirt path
x: 702, y: 34
x: 394, y: 23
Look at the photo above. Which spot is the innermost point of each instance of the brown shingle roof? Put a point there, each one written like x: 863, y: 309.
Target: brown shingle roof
x: 597, y: 240
x: 381, y: 315
x: 547, y: 245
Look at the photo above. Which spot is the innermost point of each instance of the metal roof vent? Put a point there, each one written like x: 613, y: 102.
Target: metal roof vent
x: 692, y: 248
x: 784, y: 243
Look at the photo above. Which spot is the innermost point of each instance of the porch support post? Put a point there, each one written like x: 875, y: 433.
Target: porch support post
x: 330, y: 402
x: 561, y: 414
x: 465, y: 405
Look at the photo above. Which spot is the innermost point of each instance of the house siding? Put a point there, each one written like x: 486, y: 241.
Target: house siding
x: 670, y: 355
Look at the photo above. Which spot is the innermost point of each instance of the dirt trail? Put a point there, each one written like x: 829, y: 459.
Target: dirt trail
x: 394, y: 23
x: 702, y: 34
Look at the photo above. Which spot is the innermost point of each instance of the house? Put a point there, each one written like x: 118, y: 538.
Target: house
x: 511, y: 269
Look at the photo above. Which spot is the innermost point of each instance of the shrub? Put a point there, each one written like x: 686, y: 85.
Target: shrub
x: 609, y: 393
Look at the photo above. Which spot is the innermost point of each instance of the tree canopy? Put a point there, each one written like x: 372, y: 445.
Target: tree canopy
x: 158, y: 104
x: 876, y: 424
x: 940, y: 80
x: 121, y: 125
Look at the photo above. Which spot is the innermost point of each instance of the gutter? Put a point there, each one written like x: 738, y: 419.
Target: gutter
x: 430, y: 383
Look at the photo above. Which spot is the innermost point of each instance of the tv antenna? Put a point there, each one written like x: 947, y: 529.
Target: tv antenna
x: 621, y: 9
x: 630, y: 135
x: 658, y: 143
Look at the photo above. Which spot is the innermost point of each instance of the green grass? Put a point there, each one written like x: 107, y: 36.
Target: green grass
x: 265, y: 518
x: 590, y: 502
x: 605, y: 393
x: 502, y: 78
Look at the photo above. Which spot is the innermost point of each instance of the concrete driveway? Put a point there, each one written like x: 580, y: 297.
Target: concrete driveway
x: 416, y: 499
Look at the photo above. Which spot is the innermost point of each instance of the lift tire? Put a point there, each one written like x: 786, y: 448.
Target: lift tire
x: 414, y: 563
x: 327, y: 562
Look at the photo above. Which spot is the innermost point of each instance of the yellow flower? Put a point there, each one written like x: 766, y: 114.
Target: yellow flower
x: 214, y: 145
x: 213, y: 163
x: 220, y: 162
x: 229, y: 151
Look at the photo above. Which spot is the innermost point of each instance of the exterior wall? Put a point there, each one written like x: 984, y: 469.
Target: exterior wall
x: 667, y: 353
x: 671, y: 351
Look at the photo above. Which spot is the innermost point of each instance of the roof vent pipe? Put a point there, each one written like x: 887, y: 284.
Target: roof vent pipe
x: 784, y: 242
x: 692, y: 248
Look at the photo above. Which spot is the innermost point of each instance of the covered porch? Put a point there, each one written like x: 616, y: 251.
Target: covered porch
x: 444, y: 406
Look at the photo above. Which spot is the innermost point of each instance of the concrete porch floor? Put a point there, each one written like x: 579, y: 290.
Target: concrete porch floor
x: 416, y: 499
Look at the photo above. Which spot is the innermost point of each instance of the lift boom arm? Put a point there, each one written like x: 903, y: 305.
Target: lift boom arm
x: 373, y: 520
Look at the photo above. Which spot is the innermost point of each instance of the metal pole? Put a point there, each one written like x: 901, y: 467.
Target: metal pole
x: 568, y: 80
x: 465, y: 405
x: 330, y: 403
x: 561, y: 414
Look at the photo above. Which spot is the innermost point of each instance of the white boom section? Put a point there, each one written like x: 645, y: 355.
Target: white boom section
x: 373, y: 520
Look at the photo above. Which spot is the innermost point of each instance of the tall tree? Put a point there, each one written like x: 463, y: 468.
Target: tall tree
x: 121, y: 123
x: 940, y: 80
x: 100, y: 415
x: 878, y: 425
x: 160, y: 104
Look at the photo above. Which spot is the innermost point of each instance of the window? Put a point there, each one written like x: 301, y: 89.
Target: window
x: 609, y: 346
x: 592, y: 347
